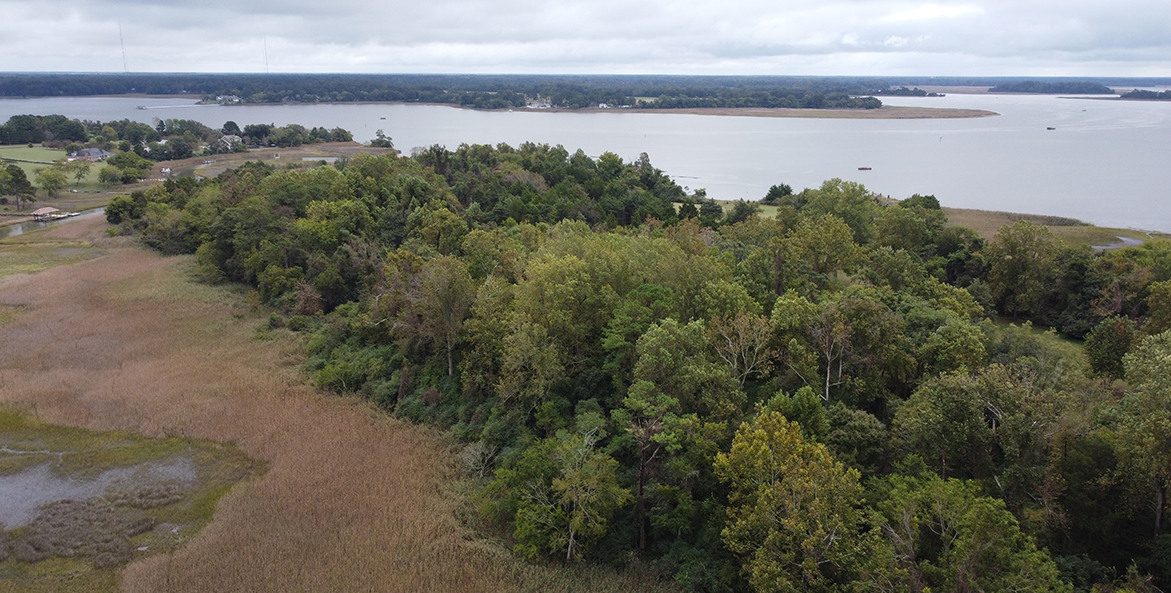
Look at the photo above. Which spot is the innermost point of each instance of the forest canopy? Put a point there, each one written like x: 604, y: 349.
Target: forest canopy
x: 850, y: 395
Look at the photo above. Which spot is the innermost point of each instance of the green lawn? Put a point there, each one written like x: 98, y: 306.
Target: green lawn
x: 35, y: 153
x: 44, y: 156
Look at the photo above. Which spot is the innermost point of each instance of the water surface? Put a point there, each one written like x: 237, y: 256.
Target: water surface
x: 1105, y: 161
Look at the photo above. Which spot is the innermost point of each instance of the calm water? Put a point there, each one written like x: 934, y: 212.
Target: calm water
x: 1107, y: 162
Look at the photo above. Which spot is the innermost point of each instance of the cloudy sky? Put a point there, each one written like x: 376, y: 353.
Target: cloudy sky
x: 819, y: 37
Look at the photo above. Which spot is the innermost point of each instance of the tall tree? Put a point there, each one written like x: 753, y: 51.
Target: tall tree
x: 743, y: 343
x: 942, y: 535
x: 78, y: 169
x: 19, y: 185
x: 446, y: 292
x: 792, y: 510
x: 1143, y: 430
x: 50, y: 179
x: 1022, y: 260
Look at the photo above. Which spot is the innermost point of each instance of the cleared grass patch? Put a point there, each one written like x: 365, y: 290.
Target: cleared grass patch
x: 31, y: 153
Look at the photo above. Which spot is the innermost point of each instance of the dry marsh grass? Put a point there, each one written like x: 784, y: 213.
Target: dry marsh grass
x: 987, y: 222
x: 353, y: 500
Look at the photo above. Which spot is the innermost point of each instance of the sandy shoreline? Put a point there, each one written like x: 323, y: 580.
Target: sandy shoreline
x: 884, y: 112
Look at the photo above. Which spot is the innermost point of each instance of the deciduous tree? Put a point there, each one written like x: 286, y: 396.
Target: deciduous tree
x: 793, y: 511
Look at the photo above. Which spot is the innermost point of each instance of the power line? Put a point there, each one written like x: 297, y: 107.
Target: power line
x: 123, y: 44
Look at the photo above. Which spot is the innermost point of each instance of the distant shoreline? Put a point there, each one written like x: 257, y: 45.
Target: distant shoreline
x: 884, y: 112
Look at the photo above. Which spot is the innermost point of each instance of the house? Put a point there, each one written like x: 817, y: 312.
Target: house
x: 89, y: 154
x: 227, y: 142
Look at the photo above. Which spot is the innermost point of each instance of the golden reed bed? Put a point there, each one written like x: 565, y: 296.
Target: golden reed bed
x: 353, y: 500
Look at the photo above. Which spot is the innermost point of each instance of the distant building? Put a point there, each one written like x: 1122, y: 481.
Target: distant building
x: 228, y: 142
x: 89, y: 154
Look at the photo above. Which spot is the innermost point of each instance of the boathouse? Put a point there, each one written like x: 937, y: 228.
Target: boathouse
x: 43, y: 214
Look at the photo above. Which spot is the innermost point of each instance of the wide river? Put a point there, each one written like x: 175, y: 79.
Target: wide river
x: 1107, y: 162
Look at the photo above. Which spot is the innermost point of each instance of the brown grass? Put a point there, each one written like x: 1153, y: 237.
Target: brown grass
x: 353, y: 500
x: 987, y: 222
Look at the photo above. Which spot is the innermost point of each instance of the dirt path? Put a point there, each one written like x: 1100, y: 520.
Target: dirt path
x: 351, y: 500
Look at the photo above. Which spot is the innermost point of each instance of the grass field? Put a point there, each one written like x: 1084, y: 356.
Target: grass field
x: 44, y: 157
x: 33, y: 252
x: 987, y: 222
x: 353, y: 500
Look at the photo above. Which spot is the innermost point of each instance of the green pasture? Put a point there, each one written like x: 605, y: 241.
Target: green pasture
x: 45, y: 157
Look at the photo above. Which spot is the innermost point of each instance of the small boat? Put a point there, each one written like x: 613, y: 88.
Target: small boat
x: 141, y: 107
x: 1050, y: 128
x: 382, y: 118
x: 863, y: 168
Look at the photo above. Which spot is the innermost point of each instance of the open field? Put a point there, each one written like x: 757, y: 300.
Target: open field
x: 987, y: 222
x: 353, y: 500
x: 884, y: 112
x: 39, y: 157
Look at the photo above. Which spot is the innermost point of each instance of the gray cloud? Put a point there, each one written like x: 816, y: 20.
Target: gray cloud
x: 977, y: 37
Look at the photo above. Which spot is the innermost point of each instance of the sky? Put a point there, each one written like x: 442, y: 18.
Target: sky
x: 762, y: 37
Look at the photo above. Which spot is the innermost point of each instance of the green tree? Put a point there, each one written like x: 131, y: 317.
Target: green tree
x: 776, y: 193
x: 820, y: 246
x: 651, y: 418
x: 942, y: 535
x: 51, y: 179
x: 381, y: 140
x: 993, y: 425
x: 678, y: 360
x: 1158, y: 308
x: 573, y: 509
x: 109, y: 175
x: 530, y: 363
x: 793, y: 511
x: 1107, y: 344
x: 445, y: 294
x: 1022, y: 258
x: 741, y: 211
x: 847, y: 200
x: 710, y: 211
x: 1143, y: 427
x: 78, y: 169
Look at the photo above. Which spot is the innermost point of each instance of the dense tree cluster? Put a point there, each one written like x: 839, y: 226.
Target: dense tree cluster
x: 1147, y: 95
x: 475, y: 91
x: 824, y: 400
x: 23, y: 129
x: 1068, y: 87
x: 906, y: 92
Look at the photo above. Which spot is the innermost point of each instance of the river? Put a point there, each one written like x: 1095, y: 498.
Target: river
x: 1105, y: 161
x: 20, y: 228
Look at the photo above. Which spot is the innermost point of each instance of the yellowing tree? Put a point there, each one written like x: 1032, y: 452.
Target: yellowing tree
x: 792, y: 511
